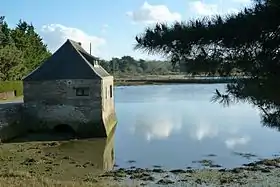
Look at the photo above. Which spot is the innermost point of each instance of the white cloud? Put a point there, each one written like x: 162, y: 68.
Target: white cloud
x: 55, y: 35
x: 201, y: 8
x: 242, y: 1
x: 204, y: 9
x: 232, y: 142
x: 148, y: 13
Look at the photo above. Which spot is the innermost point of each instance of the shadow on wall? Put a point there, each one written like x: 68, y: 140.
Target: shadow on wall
x: 58, y: 133
x: 61, y: 132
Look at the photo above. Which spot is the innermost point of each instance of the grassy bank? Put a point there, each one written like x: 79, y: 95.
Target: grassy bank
x: 7, y: 86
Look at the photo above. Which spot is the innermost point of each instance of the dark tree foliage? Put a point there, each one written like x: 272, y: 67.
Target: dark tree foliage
x: 244, y: 44
x: 21, y: 50
x: 128, y: 66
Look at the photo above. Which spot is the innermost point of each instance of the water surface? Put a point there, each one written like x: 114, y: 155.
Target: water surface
x: 173, y: 125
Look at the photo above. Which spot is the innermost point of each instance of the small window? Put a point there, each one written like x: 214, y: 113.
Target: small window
x: 111, y: 91
x: 82, y: 91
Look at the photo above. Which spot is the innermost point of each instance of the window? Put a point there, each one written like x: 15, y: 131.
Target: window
x: 111, y: 91
x: 82, y: 91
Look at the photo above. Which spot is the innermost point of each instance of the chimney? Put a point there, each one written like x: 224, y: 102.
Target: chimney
x: 80, y: 44
x: 95, y: 63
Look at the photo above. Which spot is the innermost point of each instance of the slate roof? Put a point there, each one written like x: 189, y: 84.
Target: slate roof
x: 70, y: 61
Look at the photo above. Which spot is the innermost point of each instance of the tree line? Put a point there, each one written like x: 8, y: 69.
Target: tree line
x: 22, y: 50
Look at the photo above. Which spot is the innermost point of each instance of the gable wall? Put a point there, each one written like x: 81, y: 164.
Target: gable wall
x: 50, y: 103
x: 108, y: 105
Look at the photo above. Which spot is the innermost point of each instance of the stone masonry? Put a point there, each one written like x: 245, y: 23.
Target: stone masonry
x: 51, y: 103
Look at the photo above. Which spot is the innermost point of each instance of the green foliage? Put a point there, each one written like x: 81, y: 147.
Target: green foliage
x: 11, y: 62
x: 21, y: 50
x: 128, y: 66
x: 6, y: 86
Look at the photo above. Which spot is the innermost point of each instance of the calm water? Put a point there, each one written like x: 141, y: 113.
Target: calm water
x: 174, y: 125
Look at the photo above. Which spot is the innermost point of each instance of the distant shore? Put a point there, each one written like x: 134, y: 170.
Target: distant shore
x: 169, y: 79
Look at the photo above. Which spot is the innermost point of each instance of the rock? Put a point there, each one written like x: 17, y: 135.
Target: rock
x: 250, y: 164
x: 204, y: 162
x: 148, y: 178
x: 142, y: 176
x: 165, y: 181
x: 190, y: 171
x: 265, y: 170
x: 29, y: 161
x: 211, y: 155
x: 236, y: 170
x: 158, y: 171
x: 156, y: 166
x: 198, y: 181
x: 215, y: 166
x: 177, y: 171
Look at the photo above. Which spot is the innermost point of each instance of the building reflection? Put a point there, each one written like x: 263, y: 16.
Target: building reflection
x: 87, y: 155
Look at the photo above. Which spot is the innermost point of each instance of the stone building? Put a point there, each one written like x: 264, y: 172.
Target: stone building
x: 70, y: 89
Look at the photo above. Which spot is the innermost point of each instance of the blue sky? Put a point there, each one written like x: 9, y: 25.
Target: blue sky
x: 110, y: 26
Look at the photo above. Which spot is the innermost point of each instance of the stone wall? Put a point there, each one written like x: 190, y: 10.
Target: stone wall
x: 51, y: 103
x: 108, y: 105
x: 10, y: 121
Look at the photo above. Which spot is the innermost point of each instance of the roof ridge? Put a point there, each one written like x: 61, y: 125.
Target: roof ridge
x: 77, y: 45
x: 88, y: 63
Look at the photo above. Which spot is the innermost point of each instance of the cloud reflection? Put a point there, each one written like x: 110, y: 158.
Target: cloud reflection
x: 157, y: 125
x: 229, y: 134
x: 231, y: 143
x: 205, y: 129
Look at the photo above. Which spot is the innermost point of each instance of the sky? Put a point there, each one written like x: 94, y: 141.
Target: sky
x: 110, y: 26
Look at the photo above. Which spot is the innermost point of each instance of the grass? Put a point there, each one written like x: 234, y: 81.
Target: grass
x: 6, y: 86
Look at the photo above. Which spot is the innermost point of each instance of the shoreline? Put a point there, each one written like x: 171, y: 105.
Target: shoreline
x: 162, y: 81
x: 45, y: 163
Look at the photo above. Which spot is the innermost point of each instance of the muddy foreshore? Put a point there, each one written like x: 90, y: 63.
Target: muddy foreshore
x: 41, y: 159
x: 261, y: 173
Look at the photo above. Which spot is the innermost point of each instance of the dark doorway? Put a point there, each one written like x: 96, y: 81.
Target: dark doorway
x: 64, y: 129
